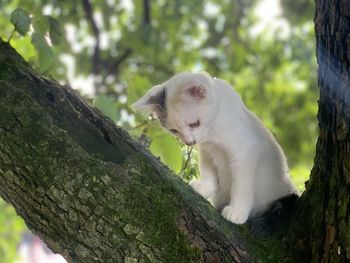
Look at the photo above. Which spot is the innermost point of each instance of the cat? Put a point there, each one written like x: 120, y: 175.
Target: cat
x: 243, y: 170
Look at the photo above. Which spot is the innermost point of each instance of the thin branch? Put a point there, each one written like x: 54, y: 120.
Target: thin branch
x: 146, y: 12
x: 90, y: 18
x: 189, y: 152
x: 112, y: 65
x: 10, y: 37
x: 115, y: 64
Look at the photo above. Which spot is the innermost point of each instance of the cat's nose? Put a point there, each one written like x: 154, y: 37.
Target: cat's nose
x: 190, y: 143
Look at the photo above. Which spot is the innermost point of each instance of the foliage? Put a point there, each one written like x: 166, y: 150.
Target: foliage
x: 21, y: 20
x: 117, y: 50
x: 46, y: 30
x: 298, y: 11
x: 11, y: 227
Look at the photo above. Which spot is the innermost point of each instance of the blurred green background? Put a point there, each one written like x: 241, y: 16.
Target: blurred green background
x: 113, y: 51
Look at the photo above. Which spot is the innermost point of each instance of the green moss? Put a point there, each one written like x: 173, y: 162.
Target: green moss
x: 153, y: 212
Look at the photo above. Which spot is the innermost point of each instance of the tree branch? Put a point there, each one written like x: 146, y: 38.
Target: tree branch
x: 146, y: 12
x: 89, y: 14
x: 92, y: 193
x: 112, y: 65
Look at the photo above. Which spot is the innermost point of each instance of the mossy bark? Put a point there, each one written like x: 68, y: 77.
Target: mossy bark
x: 95, y: 195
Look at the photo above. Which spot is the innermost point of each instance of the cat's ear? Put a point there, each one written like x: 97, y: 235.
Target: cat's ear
x: 199, y: 85
x: 153, y: 101
x: 143, y: 105
x: 197, y: 91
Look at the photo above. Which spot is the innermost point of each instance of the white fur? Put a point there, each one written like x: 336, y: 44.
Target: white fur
x: 243, y: 168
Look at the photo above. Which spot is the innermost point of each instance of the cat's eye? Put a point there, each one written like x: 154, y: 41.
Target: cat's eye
x: 195, y: 124
x: 173, y: 131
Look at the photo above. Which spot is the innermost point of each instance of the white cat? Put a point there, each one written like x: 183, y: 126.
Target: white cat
x: 243, y: 169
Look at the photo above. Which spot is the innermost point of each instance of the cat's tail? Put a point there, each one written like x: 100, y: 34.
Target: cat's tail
x: 275, y: 217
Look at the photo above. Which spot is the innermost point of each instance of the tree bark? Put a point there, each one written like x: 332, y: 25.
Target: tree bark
x: 95, y: 195
x: 325, y: 208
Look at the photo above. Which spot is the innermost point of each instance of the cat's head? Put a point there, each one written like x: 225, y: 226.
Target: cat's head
x: 183, y: 104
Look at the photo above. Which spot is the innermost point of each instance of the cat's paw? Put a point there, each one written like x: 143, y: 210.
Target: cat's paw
x: 204, y: 187
x: 235, y: 215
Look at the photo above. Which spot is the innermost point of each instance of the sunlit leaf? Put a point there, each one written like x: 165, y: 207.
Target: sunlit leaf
x: 169, y: 151
x: 24, y: 46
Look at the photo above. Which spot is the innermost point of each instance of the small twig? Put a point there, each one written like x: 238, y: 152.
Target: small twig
x: 138, y: 125
x: 13, y: 31
x: 189, y: 152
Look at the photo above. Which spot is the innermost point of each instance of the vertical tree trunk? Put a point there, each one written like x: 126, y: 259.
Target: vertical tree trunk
x: 326, y: 200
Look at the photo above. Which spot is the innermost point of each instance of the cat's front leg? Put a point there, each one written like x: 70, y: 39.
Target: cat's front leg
x: 242, y: 194
x: 206, y: 186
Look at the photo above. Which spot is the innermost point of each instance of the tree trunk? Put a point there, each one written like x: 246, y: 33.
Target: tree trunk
x: 325, y: 203
x: 92, y: 193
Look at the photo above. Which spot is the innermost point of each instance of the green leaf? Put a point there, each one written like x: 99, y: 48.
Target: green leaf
x: 55, y: 31
x: 45, y: 53
x: 107, y: 106
x: 41, y: 24
x: 137, y: 86
x: 169, y: 151
x: 21, y: 20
